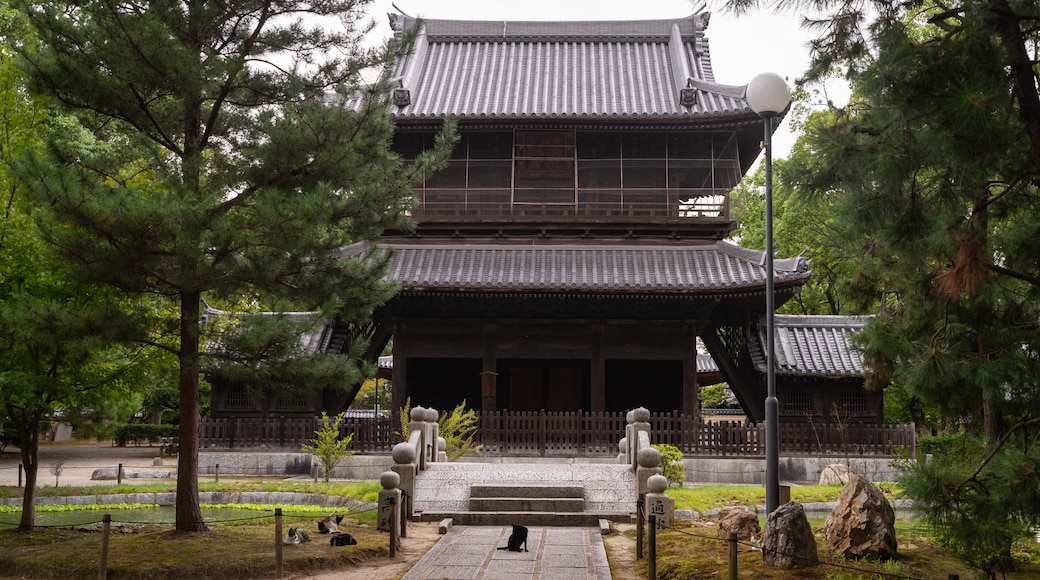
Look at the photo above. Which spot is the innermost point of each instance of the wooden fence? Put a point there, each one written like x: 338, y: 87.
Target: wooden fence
x: 562, y: 434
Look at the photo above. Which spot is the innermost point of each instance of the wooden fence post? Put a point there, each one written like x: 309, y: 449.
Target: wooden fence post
x: 653, y: 547
x: 393, y: 527
x: 278, y: 542
x: 106, y: 525
x: 732, y: 555
x: 119, y: 474
x: 639, y: 529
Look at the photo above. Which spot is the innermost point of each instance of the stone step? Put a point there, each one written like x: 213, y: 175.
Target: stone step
x: 526, y: 504
x: 472, y: 518
x: 488, y: 490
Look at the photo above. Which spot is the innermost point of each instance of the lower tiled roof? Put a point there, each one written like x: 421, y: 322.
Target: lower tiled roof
x: 812, y: 345
x: 717, y: 267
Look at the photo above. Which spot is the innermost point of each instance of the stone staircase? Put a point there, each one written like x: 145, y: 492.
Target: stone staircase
x: 539, y: 494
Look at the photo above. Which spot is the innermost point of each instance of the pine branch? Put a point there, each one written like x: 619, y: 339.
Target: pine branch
x: 993, y: 452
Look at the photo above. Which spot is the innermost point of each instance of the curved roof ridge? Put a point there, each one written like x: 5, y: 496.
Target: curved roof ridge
x: 614, y: 30
x: 822, y: 320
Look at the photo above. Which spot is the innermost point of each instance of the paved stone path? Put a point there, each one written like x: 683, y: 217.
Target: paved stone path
x: 471, y: 552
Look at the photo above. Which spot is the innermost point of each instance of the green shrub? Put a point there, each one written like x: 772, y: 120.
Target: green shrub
x: 327, y: 445
x: 458, y: 429
x: 939, y: 444
x: 143, y: 432
x: 671, y: 464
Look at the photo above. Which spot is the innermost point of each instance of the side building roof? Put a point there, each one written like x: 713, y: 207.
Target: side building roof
x: 597, y: 70
x: 811, y: 346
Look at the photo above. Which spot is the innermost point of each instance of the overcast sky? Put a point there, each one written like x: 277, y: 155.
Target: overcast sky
x: 741, y: 46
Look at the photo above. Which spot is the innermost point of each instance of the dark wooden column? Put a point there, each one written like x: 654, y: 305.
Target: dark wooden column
x: 399, y: 384
x: 489, y: 370
x: 598, y: 400
x: 690, y: 404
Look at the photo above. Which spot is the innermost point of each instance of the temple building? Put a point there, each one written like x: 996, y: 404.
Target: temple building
x: 573, y: 254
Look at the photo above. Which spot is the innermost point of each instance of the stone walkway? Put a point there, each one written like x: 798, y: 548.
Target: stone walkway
x: 471, y: 552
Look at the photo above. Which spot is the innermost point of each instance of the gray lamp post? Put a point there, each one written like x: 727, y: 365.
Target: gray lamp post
x: 768, y: 95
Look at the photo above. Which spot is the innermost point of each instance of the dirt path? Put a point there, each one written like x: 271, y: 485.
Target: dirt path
x: 421, y: 537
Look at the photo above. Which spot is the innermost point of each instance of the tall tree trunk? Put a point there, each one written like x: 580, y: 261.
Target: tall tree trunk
x: 189, y: 514
x: 28, y: 425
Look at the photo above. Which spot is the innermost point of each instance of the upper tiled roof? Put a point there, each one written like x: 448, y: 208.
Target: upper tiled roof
x: 721, y: 266
x: 812, y: 345
x: 575, y: 70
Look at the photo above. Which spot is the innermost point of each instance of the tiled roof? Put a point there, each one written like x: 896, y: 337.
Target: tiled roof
x: 313, y: 340
x: 812, y: 345
x: 576, y: 70
x: 721, y: 266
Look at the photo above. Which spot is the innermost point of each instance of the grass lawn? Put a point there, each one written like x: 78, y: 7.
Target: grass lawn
x: 245, y: 549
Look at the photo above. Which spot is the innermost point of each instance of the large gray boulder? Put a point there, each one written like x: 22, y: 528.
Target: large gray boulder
x: 862, y: 524
x: 740, y: 520
x: 788, y: 540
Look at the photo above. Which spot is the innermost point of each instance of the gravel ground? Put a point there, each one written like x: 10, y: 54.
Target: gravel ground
x: 79, y: 459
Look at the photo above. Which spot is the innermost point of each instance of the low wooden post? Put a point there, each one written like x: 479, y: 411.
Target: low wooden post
x: 216, y: 473
x: 732, y: 555
x: 639, y: 529
x: 106, y: 525
x: 393, y: 528
x: 653, y: 547
x: 403, y: 513
x: 277, y: 542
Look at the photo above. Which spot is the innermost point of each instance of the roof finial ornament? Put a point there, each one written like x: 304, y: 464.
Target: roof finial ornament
x: 688, y: 94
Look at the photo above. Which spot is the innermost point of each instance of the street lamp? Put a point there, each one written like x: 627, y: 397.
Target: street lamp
x: 768, y: 95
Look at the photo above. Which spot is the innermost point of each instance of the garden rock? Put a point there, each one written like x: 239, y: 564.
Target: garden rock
x: 740, y: 520
x: 862, y: 524
x: 788, y: 540
x: 835, y: 474
x: 112, y: 472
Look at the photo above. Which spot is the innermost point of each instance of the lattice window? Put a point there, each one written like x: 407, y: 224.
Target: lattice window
x: 798, y: 402
x: 296, y: 402
x: 853, y: 402
x: 239, y: 399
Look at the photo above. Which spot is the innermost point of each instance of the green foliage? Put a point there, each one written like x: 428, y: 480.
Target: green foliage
x: 671, y: 463
x: 327, y: 445
x: 941, y: 444
x: 183, y: 163
x: 713, y: 396
x: 978, y: 512
x: 930, y: 179
x: 458, y: 428
x: 404, y: 416
x: 142, y: 432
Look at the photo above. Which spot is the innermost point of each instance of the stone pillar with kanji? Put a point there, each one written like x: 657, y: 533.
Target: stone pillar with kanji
x: 657, y: 503
x: 388, y: 496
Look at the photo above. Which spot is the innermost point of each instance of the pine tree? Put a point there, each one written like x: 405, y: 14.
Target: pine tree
x: 227, y: 150
x: 933, y: 170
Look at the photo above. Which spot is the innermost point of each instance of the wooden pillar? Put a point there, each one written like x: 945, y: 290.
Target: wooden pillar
x: 399, y: 380
x: 489, y: 370
x: 598, y: 399
x: 690, y: 403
